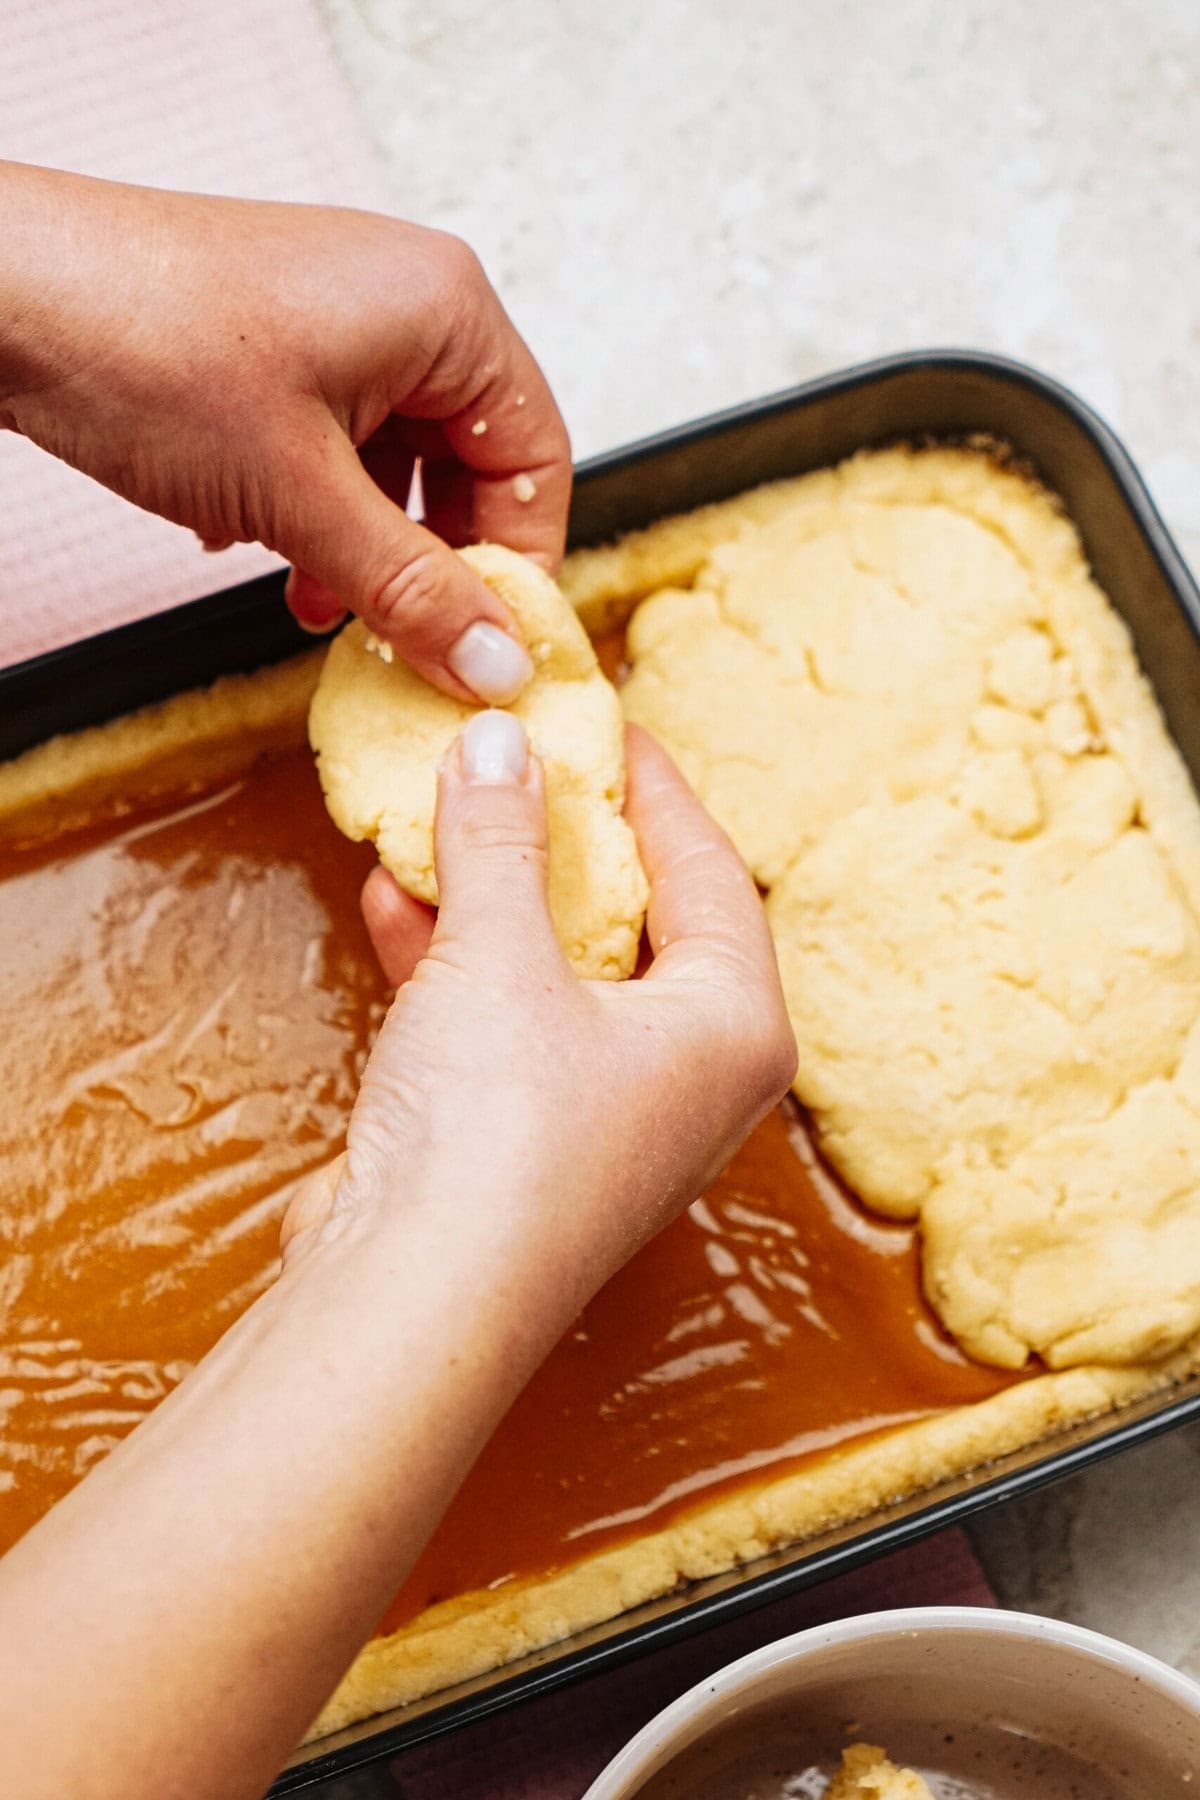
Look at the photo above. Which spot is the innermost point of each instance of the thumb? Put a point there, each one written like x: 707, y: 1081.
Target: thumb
x: 490, y: 844
x: 406, y: 585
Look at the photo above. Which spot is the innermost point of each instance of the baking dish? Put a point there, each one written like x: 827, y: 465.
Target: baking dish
x: 934, y: 395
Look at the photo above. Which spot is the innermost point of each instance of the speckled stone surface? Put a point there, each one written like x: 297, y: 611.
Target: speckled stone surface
x: 688, y: 205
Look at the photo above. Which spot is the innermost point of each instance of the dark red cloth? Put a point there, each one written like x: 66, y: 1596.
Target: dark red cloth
x: 552, y: 1748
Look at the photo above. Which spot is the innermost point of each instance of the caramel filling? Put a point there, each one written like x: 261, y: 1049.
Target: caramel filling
x: 187, y: 998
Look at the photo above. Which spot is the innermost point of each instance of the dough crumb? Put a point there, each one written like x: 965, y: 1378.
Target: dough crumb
x: 377, y: 647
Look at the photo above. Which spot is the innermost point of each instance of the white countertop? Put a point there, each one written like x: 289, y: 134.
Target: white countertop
x: 687, y: 205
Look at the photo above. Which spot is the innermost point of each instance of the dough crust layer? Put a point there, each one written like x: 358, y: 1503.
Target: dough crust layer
x: 463, y: 1638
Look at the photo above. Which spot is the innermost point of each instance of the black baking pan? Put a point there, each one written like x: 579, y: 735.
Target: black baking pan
x: 928, y: 395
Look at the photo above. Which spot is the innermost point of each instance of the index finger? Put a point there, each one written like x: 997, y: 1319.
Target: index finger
x: 513, y: 443
x: 704, y: 906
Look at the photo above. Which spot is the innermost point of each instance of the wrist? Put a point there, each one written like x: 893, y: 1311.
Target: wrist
x: 29, y: 206
x: 515, y: 1271
x: 60, y: 296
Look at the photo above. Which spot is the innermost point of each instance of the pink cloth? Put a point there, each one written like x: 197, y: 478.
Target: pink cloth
x: 231, y: 96
x: 551, y: 1749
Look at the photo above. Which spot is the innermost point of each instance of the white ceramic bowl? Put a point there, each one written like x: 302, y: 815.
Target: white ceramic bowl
x: 988, y: 1705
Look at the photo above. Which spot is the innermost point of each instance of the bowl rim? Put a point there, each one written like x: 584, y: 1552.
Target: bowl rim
x: 733, y: 1678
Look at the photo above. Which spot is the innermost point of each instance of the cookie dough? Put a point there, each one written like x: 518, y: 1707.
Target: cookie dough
x: 379, y: 732
x: 925, y: 728
x: 979, y: 1013
x: 1086, y: 1245
x: 866, y: 1774
x: 834, y: 652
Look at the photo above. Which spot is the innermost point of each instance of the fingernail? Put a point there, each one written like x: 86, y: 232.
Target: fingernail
x: 494, y: 748
x: 490, y: 663
x: 319, y: 628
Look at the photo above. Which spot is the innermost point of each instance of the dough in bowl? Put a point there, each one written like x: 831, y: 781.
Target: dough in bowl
x: 866, y: 1774
x: 379, y: 732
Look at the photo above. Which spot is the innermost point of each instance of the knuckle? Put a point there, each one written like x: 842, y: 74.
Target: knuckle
x: 408, y: 602
x: 550, y: 441
x: 762, y: 1046
x: 459, y: 269
x: 776, y: 1057
x: 508, y: 840
x: 560, y: 438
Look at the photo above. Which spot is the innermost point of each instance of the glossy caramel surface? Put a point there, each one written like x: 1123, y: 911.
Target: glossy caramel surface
x: 186, y: 1000
x: 185, y: 1003
x: 770, y: 1322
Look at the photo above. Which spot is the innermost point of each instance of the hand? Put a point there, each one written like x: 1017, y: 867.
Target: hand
x: 585, y: 1114
x: 272, y: 372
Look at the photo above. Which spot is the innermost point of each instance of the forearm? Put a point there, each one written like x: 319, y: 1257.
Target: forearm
x: 97, y: 356
x: 199, y: 1595
x: 52, y: 222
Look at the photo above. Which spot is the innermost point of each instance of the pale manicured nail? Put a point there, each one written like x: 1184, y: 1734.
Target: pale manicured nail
x: 494, y: 748
x: 490, y: 663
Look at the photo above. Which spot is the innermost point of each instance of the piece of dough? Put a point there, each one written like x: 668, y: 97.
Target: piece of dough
x: 978, y: 1014
x: 866, y: 1774
x: 380, y: 731
x: 926, y: 730
x: 1084, y: 1246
